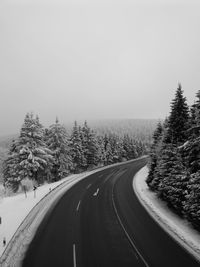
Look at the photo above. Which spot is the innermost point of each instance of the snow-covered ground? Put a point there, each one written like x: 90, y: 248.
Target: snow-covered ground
x: 14, y: 209
x: 179, y: 228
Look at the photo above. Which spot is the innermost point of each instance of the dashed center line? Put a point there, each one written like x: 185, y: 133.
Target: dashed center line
x: 74, y: 254
x: 96, y: 193
x: 88, y: 186
x: 78, y: 205
x: 107, y: 179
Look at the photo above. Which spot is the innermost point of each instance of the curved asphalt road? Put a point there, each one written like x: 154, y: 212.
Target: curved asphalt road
x: 99, y: 222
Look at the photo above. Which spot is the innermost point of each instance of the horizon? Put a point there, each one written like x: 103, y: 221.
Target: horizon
x: 80, y: 122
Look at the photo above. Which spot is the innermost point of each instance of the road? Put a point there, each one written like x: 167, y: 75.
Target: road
x: 100, y: 222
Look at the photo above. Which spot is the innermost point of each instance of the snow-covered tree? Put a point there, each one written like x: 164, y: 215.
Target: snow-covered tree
x: 154, y: 152
x: 101, y: 154
x: 174, y: 179
x: 178, y: 119
x: 29, y: 156
x: 57, y: 141
x: 191, y: 148
x: 192, y: 200
x: 90, y: 145
x: 108, y: 151
x: 129, y: 148
x: 77, y: 150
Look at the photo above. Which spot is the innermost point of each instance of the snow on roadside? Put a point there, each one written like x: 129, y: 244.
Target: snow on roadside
x: 14, y: 209
x: 179, y: 228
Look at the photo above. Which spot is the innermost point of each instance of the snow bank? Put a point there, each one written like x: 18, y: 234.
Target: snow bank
x: 14, y: 209
x: 179, y: 228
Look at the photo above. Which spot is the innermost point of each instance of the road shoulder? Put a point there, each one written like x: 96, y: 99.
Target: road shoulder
x: 180, y: 229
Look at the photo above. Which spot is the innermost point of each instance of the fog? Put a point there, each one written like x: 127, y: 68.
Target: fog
x: 95, y: 59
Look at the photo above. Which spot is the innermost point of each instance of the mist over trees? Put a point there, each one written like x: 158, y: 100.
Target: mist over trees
x: 49, y: 154
x: 174, y: 167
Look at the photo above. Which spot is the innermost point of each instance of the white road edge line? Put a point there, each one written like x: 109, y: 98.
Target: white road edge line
x: 78, y: 205
x: 129, y: 238
x: 96, y: 193
x: 74, y: 254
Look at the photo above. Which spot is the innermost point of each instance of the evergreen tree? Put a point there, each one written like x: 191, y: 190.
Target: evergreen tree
x: 77, y: 150
x: 101, y: 155
x: 192, y: 201
x: 154, y: 152
x: 174, y: 180
x: 129, y: 148
x: 90, y: 145
x: 11, y: 169
x: 191, y: 149
x: 108, y: 151
x: 57, y: 142
x: 178, y: 119
x: 114, y: 148
x: 195, y: 111
x: 29, y: 156
x: 164, y: 165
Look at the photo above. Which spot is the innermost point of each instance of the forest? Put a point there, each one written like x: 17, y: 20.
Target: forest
x: 48, y: 154
x: 174, y: 166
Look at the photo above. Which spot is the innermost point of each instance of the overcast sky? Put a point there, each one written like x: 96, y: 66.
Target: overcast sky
x: 95, y: 59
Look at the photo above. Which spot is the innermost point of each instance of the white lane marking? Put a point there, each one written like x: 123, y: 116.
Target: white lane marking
x: 78, y: 205
x: 129, y: 238
x: 88, y: 186
x: 74, y: 254
x: 96, y: 193
x: 107, y: 179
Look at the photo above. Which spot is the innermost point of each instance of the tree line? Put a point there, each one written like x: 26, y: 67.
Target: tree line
x: 49, y: 154
x: 174, y: 167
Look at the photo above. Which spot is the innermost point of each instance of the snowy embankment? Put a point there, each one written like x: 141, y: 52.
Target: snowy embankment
x: 180, y: 229
x: 14, y: 211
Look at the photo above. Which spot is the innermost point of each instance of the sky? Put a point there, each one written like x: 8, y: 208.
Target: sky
x: 89, y: 59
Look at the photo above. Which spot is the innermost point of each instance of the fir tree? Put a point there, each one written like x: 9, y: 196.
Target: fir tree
x: 29, y: 156
x: 108, y: 151
x: 191, y: 149
x: 163, y: 166
x: 115, y: 146
x: 174, y: 180
x: 178, y: 119
x: 192, y: 200
x: 129, y: 148
x: 154, y: 152
x: 101, y: 155
x: 57, y: 142
x: 90, y: 146
x: 77, y: 150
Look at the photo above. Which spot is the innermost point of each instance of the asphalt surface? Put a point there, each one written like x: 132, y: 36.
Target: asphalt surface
x: 100, y: 222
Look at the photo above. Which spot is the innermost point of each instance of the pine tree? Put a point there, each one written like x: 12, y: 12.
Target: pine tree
x: 163, y: 165
x: 108, y: 151
x: 178, y: 119
x: 195, y: 111
x: 114, y: 148
x: 89, y: 142
x: 11, y: 169
x: 77, y: 150
x: 172, y: 186
x: 129, y: 148
x: 192, y: 201
x: 154, y: 152
x: 57, y: 142
x: 191, y: 148
x: 29, y: 156
x: 101, y: 154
